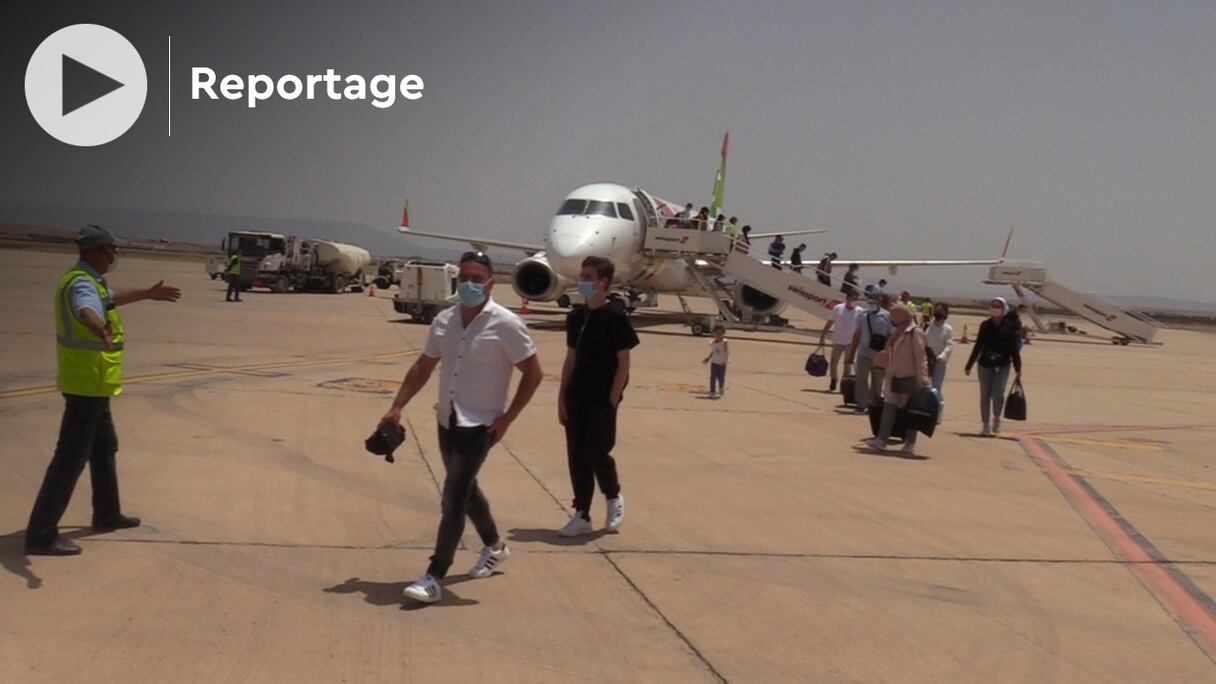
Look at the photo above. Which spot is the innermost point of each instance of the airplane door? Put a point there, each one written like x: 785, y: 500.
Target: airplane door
x: 645, y: 216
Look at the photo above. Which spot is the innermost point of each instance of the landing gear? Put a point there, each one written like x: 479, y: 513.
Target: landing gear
x: 698, y: 329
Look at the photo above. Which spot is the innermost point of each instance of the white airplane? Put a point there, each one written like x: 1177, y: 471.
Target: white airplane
x: 611, y: 220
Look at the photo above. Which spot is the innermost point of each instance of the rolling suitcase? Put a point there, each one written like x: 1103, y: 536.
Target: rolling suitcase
x: 901, y: 422
x: 848, y: 390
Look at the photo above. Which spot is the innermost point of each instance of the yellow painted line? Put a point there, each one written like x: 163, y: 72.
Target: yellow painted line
x: 220, y: 370
x: 1113, y: 444
x: 1144, y: 479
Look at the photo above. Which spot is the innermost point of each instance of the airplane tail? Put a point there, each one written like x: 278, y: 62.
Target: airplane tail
x: 405, y: 214
x: 715, y: 204
x: 1009, y: 239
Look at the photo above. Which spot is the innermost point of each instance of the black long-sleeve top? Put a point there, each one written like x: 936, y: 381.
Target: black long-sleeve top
x: 997, y: 345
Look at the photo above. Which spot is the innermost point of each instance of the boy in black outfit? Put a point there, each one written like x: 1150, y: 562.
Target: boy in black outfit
x: 594, y: 375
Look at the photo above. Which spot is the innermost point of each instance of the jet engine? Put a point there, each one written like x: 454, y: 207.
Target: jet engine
x: 534, y: 279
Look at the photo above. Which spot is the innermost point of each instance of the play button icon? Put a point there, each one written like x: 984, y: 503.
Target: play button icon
x: 82, y: 84
x: 85, y: 85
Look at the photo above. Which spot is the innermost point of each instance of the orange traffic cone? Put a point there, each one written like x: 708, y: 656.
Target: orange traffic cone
x: 966, y: 339
x: 524, y: 310
x: 371, y: 290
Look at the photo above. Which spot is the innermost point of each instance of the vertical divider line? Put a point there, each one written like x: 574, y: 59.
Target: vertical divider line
x: 169, y: 96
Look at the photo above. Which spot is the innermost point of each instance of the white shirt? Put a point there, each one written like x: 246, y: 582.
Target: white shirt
x: 940, y: 339
x: 717, y: 352
x: 476, y: 362
x: 844, y: 324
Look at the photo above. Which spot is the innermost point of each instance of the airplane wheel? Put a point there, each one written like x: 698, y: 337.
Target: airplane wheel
x: 564, y: 301
x: 698, y: 329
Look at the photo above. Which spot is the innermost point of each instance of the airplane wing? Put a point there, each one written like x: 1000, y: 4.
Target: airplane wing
x: 761, y: 236
x: 477, y: 243
x: 895, y: 263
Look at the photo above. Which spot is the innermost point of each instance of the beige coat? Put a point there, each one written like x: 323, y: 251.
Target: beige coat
x: 907, y: 356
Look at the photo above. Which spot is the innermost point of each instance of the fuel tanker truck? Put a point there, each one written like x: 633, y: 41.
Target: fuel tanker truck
x: 315, y: 266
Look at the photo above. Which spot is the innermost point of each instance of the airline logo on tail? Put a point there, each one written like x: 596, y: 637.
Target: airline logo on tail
x: 405, y: 214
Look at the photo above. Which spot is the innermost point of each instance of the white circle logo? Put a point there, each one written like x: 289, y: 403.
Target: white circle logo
x: 85, y: 85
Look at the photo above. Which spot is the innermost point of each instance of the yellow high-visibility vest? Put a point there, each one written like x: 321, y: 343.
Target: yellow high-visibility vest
x: 86, y: 367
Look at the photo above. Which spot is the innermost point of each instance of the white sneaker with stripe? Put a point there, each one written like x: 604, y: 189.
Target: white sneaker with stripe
x: 490, y: 561
x: 425, y: 590
x: 616, y: 513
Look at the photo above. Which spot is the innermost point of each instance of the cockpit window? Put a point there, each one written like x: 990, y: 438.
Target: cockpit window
x: 573, y: 207
x: 579, y: 207
x: 624, y: 210
x: 600, y: 208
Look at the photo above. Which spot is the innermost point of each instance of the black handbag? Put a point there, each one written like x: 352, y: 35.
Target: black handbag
x: 816, y: 364
x: 1015, y: 404
x: 385, y: 440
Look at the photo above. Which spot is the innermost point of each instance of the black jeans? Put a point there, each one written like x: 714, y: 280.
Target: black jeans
x: 86, y: 435
x: 234, y: 288
x: 463, y: 450
x: 590, y: 436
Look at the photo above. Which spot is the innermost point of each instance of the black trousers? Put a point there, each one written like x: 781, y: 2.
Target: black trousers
x: 234, y: 288
x: 86, y: 435
x: 590, y: 436
x: 464, y: 450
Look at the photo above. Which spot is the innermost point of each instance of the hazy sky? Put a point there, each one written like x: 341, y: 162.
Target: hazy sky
x: 909, y: 129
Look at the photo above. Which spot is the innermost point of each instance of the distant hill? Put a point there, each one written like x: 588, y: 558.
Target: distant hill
x: 208, y: 229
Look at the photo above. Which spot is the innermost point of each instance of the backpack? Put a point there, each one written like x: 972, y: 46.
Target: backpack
x: 877, y: 342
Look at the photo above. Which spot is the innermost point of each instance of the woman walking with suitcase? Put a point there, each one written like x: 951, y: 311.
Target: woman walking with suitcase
x: 907, y: 372
x: 996, y: 349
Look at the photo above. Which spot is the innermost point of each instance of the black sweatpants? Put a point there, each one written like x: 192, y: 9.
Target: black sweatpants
x: 590, y: 436
x: 464, y: 450
x: 86, y: 435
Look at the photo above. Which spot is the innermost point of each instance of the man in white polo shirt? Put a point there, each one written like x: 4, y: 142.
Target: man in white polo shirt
x: 477, y: 343
x: 842, y: 325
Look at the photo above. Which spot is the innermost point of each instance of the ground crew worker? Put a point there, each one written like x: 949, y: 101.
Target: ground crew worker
x: 234, y: 278
x: 89, y: 347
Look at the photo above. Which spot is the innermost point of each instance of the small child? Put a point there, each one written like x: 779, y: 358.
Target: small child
x: 719, y: 354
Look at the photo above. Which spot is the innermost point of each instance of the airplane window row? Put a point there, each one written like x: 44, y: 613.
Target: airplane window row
x: 579, y: 207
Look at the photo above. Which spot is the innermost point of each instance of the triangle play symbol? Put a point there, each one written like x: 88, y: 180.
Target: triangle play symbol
x: 83, y: 84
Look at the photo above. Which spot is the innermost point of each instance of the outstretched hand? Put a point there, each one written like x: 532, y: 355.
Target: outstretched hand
x: 164, y: 293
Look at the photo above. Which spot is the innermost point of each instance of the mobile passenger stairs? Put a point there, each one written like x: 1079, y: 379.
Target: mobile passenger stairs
x: 1128, y: 326
x: 720, y: 266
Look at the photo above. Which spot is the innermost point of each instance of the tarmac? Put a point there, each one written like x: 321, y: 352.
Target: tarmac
x: 760, y: 543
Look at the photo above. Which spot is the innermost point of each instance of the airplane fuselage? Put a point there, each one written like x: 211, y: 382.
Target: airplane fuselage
x: 610, y: 220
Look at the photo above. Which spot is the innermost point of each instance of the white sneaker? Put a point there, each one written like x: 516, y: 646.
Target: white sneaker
x: 425, y: 590
x: 996, y: 426
x: 490, y: 561
x: 616, y: 513
x: 577, y: 527
x: 986, y: 432
x: 876, y: 444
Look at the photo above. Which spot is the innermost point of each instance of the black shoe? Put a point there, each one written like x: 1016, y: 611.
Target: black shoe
x: 832, y: 387
x: 120, y: 523
x: 59, y: 547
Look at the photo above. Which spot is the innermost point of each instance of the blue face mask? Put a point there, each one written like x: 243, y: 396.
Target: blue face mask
x: 586, y: 288
x: 471, y: 294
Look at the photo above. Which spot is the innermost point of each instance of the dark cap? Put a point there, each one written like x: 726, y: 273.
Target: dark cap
x: 95, y: 237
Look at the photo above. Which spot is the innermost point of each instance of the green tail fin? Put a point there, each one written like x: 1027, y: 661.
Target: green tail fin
x: 715, y: 205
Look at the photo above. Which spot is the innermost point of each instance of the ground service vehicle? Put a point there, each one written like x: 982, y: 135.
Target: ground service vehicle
x: 424, y: 289
x: 315, y: 265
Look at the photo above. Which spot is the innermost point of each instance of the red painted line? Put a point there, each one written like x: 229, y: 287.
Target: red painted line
x: 1188, y: 610
x: 1084, y: 429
